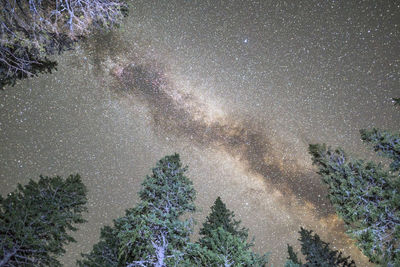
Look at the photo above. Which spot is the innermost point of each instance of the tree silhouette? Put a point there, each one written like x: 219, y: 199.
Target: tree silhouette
x: 365, y: 194
x: 317, y: 253
x: 32, y: 30
x: 34, y: 220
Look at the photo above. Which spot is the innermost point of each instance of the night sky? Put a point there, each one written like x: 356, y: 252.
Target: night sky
x: 238, y: 88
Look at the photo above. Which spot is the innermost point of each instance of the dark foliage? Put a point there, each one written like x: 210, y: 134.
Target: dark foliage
x: 366, y: 196
x: 318, y: 253
x: 30, y: 31
x: 293, y: 256
x: 220, y: 216
x: 223, y: 243
x: 34, y: 220
x: 387, y: 144
x: 150, y: 234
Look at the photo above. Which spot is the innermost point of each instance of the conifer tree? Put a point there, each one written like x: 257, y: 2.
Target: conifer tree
x: 384, y: 142
x: 366, y: 194
x: 317, y: 253
x: 105, y: 252
x: 35, y: 218
x: 32, y: 30
x: 220, y: 216
x: 293, y: 256
x: 151, y: 234
x: 223, y: 243
x: 222, y: 248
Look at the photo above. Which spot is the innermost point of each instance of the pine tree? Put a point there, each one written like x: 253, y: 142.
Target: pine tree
x: 387, y: 144
x: 28, y: 65
x: 105, y: 252
x: 318, y: 254
x: 223, y: 243
x: 34, y: 220
x: 222, y: 248
x: 220, y: 216
x: 367, y: 197
x: 32, y: 30
x: 293, y: 256
x: 151, y: 234
x: 366, y: 194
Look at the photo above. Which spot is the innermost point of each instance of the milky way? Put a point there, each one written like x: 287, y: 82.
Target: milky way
x: 238, y: 88
x: 176, y: 112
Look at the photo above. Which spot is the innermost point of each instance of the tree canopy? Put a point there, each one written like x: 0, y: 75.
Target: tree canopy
x: 220, y: 216
x: 223, y: 242
x: 365, y: 194
x: 154, y: 234
x: 35, y: 218
x: 151, y: 234
x: 317, y: 253
x: 30, y: 31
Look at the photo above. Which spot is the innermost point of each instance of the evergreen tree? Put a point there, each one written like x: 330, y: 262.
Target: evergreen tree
x: 32, y: 30
x: 387, y: 144
x: 367, y: 197
x: 317, y: 253
x: 220, y: 216
x: 25, y: 65
x: 105, y: 252
x: 292, y: 255
x: 223, y: 243
x: 151, y: 234
x: 222, y: 248
x: 366, y: 194
x: 34, y: 220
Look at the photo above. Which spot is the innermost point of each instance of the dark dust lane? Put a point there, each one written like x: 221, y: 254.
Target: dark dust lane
x: 181, y: 114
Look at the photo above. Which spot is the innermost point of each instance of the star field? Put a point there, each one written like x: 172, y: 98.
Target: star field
x: 238, y: 88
